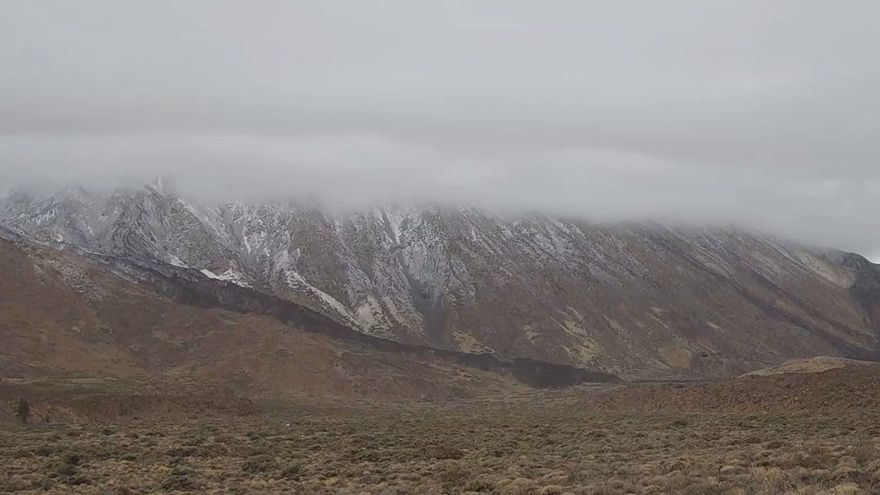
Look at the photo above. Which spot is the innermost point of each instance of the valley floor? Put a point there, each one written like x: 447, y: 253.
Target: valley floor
x: 517, y: 446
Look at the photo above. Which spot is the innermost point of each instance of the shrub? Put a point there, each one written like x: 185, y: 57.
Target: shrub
x: 293, y: 471
x: 180, y: 480
x: 480, y: 486
x: 259, y: 464
x: 447, y: 451
x: 23, y: 411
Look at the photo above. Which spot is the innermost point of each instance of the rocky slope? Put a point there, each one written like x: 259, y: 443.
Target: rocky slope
x: 65, y: 314
x: 632, y: 299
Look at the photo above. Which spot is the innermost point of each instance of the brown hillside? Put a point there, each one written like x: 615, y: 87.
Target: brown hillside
x: 843, y: 388
x: 63, y: 316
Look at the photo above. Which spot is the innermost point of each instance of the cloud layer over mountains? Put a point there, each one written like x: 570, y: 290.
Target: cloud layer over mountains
x: 763, y: 113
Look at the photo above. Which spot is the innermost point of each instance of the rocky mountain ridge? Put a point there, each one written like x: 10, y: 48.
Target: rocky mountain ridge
x: 639, y: 300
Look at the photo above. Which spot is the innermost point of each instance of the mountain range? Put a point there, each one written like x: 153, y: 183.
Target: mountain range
x: 638, y: 300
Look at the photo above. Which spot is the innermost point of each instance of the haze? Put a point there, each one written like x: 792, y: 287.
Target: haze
x: 753, y: 112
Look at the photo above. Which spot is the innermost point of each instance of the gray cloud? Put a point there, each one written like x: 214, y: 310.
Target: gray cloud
x: 763, y: 113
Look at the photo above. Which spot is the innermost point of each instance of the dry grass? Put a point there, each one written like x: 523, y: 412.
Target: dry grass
x: 478, y: 448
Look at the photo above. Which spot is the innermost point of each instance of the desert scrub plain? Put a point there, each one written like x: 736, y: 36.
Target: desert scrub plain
x: 531, y: 445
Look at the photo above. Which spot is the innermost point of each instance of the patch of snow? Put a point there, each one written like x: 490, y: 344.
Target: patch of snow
x: 174, y: 260
x: 229, y: 275
x: 296, y: 281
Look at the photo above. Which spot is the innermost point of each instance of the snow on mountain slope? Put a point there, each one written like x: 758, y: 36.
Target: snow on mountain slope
x: 630, y: 298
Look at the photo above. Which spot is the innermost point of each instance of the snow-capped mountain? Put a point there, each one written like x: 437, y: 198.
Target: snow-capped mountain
x: 628, y: 298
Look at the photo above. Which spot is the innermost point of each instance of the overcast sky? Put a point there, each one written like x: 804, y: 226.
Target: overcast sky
x: 758, y: 112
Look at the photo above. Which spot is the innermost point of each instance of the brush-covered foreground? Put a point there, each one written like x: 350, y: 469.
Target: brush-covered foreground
x: 527, y: 446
